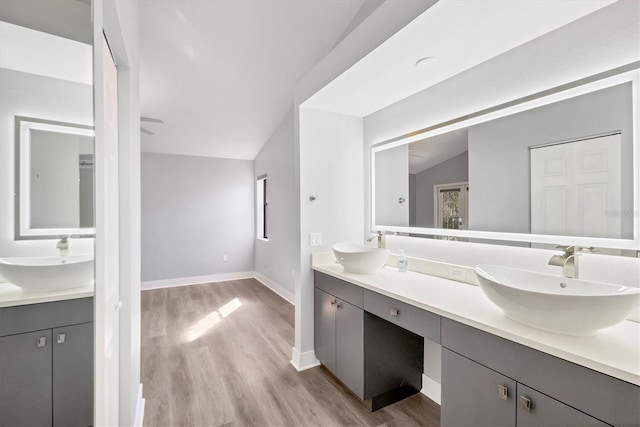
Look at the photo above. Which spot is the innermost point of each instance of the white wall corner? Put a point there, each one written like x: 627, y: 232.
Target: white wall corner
x: 138, y: 422
x: 431, y: 388
x: 283, y: 292
x: 303, y: 361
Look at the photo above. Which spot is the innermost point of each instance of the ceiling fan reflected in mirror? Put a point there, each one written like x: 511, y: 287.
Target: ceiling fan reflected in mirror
x: 149, y: 120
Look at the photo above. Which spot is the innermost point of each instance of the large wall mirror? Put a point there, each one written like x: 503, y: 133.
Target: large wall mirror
x: 558, y: 168
x: 54, y: 178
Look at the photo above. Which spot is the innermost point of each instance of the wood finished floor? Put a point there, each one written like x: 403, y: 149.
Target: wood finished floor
x: 218, y: 355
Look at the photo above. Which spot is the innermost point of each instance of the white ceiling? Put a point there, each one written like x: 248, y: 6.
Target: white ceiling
x: 221, y: 74
x: 429, y: 152
x: 30, y: 51
x: 458, y: 34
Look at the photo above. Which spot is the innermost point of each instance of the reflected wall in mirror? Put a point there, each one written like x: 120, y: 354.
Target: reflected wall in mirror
x: 560, y: 167
x: 55, y: 176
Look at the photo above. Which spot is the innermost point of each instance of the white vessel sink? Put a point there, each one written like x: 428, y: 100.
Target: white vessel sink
x: 357, y: 258
x: 48, y: 273
x: 556, y: 304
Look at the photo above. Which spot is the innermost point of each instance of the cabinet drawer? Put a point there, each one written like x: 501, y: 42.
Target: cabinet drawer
x: 414, y: 319
x: 609, y: 399
x: 339, y: 288
x: 545, y: 411
x: 35, y: 317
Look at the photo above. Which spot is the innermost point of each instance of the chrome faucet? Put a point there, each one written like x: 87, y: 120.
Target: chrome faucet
x: 569, y: 260
x: 63, y: 245
x: 381, y: 239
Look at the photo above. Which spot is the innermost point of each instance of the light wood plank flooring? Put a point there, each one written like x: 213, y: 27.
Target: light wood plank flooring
x: 218, y: 355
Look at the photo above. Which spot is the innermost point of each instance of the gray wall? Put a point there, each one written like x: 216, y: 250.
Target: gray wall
x: 412, y: 199
x: 392, y: 183
x: 55, y: 179
x: 276, y: 258
x: 453, y: 170
x: 195, y: 210
x: 499, y: 155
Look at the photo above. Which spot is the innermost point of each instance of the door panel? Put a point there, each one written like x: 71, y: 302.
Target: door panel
x: 576, y: 188
x: 73, y: 375
x: 325, y: 329
x: 350, y: 346
x: 25, y: 379
x: 470, y: 394
x: 107, y: 298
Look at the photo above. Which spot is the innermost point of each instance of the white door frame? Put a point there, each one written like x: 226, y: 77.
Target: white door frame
x: 464, y: 208
x: 114, y: 19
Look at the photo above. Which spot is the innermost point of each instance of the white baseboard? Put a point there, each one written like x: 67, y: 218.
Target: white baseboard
x: 303, y: 361
x: 284, y: 293
x: 431, y: 388
x: 196, y: 280
x: 139, y: 409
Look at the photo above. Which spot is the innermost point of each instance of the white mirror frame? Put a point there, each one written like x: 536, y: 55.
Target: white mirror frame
x: 592, y: 84
x: 24, y: 126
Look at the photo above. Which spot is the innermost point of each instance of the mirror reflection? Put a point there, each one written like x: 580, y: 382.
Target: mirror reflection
x: 564, y: 168
x: 58, y: 173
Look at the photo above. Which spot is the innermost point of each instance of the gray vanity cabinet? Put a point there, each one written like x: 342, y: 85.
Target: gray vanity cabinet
x: 474, y: 395
x: 26, y: 379
x: 339, y: 331
x: 379, y: 361
x: 541, y: 389
x: 46, y: 364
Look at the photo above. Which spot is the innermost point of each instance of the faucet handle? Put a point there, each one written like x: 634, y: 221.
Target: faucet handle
x: 568, y: 250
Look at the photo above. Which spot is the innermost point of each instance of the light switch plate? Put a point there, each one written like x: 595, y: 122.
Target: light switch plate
x: 315, y: 239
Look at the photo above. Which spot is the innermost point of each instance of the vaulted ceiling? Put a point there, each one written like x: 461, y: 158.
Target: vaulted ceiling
x: 221, y: 73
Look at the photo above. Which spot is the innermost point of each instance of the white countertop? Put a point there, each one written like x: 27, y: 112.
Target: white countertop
x: 613, y: 351
x: 11, y: 295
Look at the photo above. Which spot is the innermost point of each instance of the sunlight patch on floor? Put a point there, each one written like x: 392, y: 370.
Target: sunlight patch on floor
x: 204, y: 325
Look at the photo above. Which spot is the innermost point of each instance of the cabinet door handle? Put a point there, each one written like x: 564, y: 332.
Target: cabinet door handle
x: 339, y: 305
x: 526, y: 403
x: 503, y: 392
x: 333, y: 303
x: 60, y: 339
x: 41, y: 341
x: 394, y: 312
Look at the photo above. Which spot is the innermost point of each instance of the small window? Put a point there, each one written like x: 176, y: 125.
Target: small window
x: 261, y: 207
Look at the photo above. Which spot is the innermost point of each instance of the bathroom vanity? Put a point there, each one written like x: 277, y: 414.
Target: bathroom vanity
x: 494, y: 371
x: 46, y: 358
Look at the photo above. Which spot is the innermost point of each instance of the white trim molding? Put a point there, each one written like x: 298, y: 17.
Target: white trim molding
x: 138, y: 421
x: 431, y: 388
x: 278, y: 289
x: 303, y: 361
x: 196, y: 280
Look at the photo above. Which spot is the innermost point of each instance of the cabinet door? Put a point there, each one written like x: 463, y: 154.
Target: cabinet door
x: 325, y: 329
x: 537, y: 409
x: 350, y: 346
x: 25, y: 379
x: 73, y: 375
x: 471, y: 396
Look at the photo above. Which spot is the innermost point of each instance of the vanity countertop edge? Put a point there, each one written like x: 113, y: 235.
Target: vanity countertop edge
x: 11, y: 295
x: 613, y: 351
